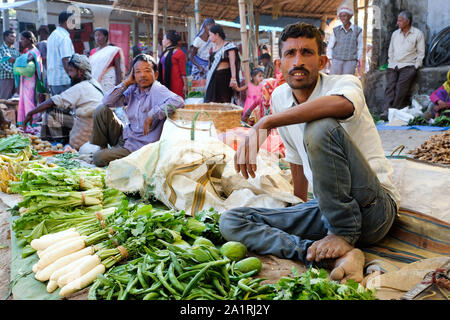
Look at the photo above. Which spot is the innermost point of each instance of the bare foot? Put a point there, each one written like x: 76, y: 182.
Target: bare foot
x: 349, y: 266
x: 330, y: 247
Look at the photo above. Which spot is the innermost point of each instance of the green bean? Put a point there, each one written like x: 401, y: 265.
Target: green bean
x: 177, y: 265
x: 194, y: 280
x: 226, y: 276
x: 130, y: 285
x: 212, y: 294
x: 187, y: 274
x: 173, y: 279
x: 151, y: 296
x: 141, y: 278
x: 159, y: 274
x: 243, y: 285
x: 244, y: 275
x: 219, y: 287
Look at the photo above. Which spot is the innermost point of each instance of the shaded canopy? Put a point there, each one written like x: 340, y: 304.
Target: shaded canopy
x: 229, y: 10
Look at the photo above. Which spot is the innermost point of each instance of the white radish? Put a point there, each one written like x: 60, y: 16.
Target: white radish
x: 61, y: 252
x: 47, y: 240
x: 52, y: 286
x: 83, y: 281
x: 62, y: 271
x: 80, y: 270
x: 35, y: 268
x: 44, y: 274
x: 53, y: 247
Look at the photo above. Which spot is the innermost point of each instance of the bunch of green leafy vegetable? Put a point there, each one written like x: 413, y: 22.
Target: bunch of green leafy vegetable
x: 443, y: 120
x: 67, y: 160
x: 315, y: 285
x: 418, y: 121
x: 195, y: 94
x: 58, y: 179
x: 205, y: 223
x: 14, y: 143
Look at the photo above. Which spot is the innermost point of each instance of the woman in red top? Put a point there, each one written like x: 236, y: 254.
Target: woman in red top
x: 172, y: 65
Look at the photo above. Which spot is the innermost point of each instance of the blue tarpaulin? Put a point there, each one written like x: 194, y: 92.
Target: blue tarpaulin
x: 417, y: 127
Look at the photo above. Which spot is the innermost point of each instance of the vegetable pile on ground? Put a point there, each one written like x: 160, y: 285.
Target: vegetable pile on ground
x: 36, y: 142
x: 16, y: 155
x: 436, y: 149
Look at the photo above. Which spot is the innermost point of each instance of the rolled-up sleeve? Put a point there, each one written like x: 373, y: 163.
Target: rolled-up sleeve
x: 349, y: 87
x: 67, y: 99
x: 117, y: 97
x: 158, y: 111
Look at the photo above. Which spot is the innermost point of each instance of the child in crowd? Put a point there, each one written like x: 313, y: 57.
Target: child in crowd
x: 254, y: 93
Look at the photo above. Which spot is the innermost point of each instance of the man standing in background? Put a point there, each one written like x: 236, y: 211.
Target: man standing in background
x: 59, y: 50
x: 345, y: 47
x: 8, y: 55
x: 406, y: 53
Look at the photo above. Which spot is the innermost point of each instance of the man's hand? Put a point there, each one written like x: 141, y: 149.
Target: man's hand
x: 245, y: 156
x: 28, y: 119
x: 147, y: 124
x: 130, y: 79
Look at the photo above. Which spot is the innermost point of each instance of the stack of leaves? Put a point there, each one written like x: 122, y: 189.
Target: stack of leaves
x: 13, y: 144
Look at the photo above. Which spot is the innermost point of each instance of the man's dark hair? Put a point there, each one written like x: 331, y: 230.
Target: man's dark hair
x: 43, y: 29
x: 64, y: 16
x: 300, y: 29
x: 147, y: 58
x: 104, y: 31
x: 265, y: 55
x: 7, y: 33
x: 217, y: 29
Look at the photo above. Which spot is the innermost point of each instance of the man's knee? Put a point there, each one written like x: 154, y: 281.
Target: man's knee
x: 101, y: 110
x: 316, y: 131
x: 230, y: 222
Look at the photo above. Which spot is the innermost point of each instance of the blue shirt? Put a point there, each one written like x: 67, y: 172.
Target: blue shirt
x: 59, y: 46
x: 150, y: 102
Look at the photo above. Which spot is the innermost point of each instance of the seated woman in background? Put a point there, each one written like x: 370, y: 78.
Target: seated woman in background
x: 223, y: 69
x: 172, y: 65
x: 107, y: 61
x: 440, y: 98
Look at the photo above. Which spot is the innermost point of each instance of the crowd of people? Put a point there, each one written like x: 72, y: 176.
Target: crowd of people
x: 52, y: 80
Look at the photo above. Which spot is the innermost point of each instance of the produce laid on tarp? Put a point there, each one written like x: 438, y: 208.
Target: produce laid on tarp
x: 82, y: 233
x: 435, y: 150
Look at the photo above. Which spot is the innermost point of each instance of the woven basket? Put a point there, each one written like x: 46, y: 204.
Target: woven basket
x: 224, y: 115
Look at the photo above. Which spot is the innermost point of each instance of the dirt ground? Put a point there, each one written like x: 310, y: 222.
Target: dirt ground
x: 272, y: 266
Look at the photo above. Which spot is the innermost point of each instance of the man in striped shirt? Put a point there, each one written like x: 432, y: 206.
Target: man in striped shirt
x: 8, y: 55
x: 59, y: 51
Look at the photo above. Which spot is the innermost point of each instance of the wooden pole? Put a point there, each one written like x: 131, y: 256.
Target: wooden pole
x: 251, y: 24
x: 257, y: 32
x: 165, y: 17
x: 244, y: 41
x: 155, y: 29
x: 366, y: 5
x: 355, y: 10
x: 197, y: 15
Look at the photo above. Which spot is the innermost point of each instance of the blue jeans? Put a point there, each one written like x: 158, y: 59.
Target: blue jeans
x: 349, y: 202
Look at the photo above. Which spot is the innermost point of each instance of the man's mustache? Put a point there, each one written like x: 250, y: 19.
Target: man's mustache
x: 296, y: 69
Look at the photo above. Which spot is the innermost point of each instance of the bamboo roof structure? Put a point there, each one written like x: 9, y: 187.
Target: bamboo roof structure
x: 229, y: 9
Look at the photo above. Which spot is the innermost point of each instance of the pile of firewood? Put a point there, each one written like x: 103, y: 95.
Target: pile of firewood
x: 436, y: 149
